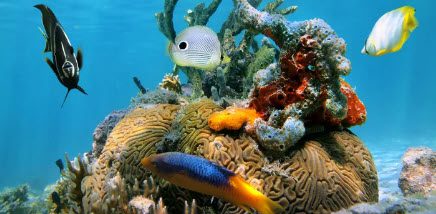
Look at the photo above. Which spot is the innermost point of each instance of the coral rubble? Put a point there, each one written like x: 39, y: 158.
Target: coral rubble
x: 284, y: 128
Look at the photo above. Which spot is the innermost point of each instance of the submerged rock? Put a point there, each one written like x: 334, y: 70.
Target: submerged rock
x: 419, y: 171
x: 103, y: 130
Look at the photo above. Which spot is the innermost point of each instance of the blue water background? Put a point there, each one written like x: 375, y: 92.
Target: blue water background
x: 120, y: 39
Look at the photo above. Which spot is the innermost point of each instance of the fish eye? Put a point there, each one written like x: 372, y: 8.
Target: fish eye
x: 183, y: 45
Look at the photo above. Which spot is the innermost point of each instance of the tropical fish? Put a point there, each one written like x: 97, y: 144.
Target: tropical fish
x: 66, y: 65
x: 201, y: 175
x: 391, y: 31
x: 56, y: 200
x: 60, y: 164
x: 197, y: 47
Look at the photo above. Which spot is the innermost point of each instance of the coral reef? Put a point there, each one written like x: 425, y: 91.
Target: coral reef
x: 20, y: 200
x: 334, y: 164
x: 284, y: 128
x: 419, y: 171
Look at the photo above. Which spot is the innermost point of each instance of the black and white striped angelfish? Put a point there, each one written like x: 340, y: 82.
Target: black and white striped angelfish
x: 65, y: 64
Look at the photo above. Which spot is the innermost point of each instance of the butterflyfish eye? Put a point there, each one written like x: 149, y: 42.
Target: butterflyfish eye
x: 183, y: 45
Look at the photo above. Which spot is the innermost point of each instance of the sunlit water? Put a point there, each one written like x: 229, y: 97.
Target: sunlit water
x: 120, y: 39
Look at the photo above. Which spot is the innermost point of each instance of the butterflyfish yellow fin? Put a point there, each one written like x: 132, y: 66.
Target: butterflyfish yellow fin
x: 410, y: 21
x: 409, y: 24
x: 382, y: 52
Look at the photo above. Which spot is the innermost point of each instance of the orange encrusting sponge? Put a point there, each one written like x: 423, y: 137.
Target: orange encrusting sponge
x: 232, y: 118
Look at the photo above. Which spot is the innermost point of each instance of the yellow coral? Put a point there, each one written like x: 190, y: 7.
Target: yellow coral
x: 232, y: 118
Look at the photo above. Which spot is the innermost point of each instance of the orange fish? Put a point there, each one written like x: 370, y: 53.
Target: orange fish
x: 203, y: 176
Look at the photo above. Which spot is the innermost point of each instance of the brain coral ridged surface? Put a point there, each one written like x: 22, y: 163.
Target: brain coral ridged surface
x: 133, y: 138
x: 323, y: 173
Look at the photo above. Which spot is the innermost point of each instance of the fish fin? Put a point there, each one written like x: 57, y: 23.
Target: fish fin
x: 364, y: 50
x: 65, y: 98
x: 45, y: 12
x: 258, y: 201
x: 168, y: 49
x: 47, y: 45
x: 53, y: 67
x: 79, y: 58
x: 410, y: 21
x: 384, y: 51
x: 81, y: 90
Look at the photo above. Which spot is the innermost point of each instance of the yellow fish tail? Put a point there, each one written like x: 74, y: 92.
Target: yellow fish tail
x: 411, y: 23
x: 254, y: 198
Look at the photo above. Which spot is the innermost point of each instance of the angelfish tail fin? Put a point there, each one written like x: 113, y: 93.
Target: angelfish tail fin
x: 65, y: 98
x: 81, y: 90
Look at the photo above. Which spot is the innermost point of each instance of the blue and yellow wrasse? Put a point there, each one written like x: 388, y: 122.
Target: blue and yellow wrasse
x: 203, y: 176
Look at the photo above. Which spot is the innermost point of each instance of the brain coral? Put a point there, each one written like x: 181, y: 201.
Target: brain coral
x: 323, y: 173
x: 133, y: 138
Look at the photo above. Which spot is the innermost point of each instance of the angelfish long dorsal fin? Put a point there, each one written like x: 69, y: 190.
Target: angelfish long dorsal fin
x: 47, y: 44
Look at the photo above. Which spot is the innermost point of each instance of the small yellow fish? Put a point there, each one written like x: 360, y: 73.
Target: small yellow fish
x: 197, y: 47
x: 201, y: 175
x: 391, y: 31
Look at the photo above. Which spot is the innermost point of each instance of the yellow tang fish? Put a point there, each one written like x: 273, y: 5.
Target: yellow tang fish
x: 197, y: 47
x: 201, y: 175
x: 391, y: 31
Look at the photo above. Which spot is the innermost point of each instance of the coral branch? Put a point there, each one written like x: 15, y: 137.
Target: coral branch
x: 165, y: 20
x: 201, y: 15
